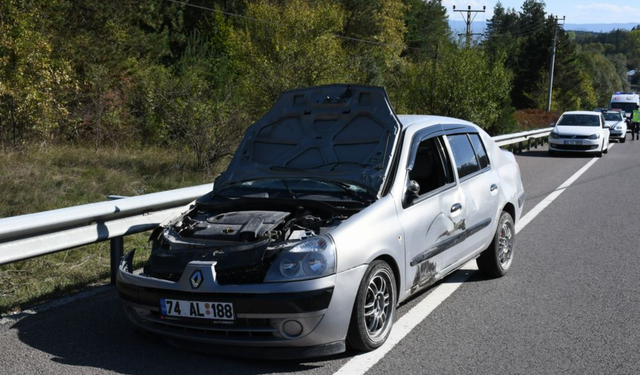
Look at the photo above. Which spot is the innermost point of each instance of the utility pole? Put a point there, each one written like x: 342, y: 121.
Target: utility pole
x: 469, y: 20
x: 553, y: 62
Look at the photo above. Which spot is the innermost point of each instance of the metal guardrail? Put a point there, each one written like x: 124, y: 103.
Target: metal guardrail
x: 28, y: 236
x: 517, y: 141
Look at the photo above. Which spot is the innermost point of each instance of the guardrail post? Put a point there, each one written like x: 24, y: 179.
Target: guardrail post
x: 529, y: 144
x: 117, y: 247
x: 520, y: 147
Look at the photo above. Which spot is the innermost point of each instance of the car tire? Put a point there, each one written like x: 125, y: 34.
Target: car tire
x: 374, y: 309
x: 605, y: 150
x: 552, y: 153
x: 624, y: 139
x: 496, y: 260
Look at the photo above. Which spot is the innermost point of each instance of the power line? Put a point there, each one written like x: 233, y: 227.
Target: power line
x: 276, y: 24
x: 469, y: 20
x: 222, y: 12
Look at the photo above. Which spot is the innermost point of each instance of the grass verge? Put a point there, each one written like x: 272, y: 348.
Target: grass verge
x: 37, y: 179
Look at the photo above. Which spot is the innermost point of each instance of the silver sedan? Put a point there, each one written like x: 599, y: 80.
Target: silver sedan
x: 332, y: 212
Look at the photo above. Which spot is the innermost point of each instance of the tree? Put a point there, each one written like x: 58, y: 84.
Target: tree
x: 427, y: 28
x: 295, y: 44
x: 107, y: 45
x: 602, y: 73
x: 501, y: 34
x: 195, y: 105
x: 632, y: 46
x: 464, y: 83
x: 574, y: 85
x: 373, y: 35
x: 525, y: 38
x: 33, y: 78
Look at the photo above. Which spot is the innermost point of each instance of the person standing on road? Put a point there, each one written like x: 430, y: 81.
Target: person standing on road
x: 635, y: 122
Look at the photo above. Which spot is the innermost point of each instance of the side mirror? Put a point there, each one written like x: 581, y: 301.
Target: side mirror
x: 414, y: 187
x: 412, y: 193
x: 551, y: 125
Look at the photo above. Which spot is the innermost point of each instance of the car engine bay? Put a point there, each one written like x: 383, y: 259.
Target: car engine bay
x: 242, y: 242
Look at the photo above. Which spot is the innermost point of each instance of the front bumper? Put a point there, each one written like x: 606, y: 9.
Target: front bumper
x: 583, y: 145
x: 617, y: 134
x: 277, y: 320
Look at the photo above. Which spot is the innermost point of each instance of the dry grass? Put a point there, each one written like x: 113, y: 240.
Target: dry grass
x: 37, y: 179
x: 532, y: 119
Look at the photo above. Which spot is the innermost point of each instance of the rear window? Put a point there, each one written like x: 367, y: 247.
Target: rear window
x: 478, y: 146
x: 465, y: 157
x: 580, y: 120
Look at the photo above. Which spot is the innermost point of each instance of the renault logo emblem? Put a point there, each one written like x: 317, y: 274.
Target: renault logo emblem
x: 196, y: 279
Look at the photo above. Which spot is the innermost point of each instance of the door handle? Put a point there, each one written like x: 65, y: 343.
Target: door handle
x: 456, y: 207
x: 494, y: 187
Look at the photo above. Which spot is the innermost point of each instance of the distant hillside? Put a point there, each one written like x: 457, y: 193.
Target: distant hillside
x: 479, y: 26
x: 599, y: 27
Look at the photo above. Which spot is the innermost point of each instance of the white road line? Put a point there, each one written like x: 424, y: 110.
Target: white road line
x: 555, y: 194
x: 361, y: 363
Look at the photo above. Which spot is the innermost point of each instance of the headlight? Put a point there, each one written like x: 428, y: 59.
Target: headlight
x: 619, y: 127
x: 309, y: 259
x: 594, y: 136
x: 555, y: 135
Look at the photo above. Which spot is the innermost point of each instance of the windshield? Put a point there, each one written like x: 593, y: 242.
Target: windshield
x: 580, y: 120
x: 296, y: 188
x: 627, y: 107
x: 612, y: 116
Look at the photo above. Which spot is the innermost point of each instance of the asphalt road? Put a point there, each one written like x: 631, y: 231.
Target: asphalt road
x: 570, y: 304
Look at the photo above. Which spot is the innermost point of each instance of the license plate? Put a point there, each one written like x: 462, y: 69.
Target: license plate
x: 572, y: 142
x: 218, y: 311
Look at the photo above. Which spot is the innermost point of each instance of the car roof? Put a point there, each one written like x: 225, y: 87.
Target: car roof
x: 582, y: 113
x: 409, y: 121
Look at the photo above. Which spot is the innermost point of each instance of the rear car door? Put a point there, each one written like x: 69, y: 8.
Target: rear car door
x: 479, y: 184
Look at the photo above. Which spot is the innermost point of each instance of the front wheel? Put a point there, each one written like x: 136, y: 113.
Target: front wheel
x: 374, y: 310
x: 496, y: 260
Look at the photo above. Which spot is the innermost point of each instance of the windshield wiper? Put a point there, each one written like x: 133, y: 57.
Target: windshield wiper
x: 345, y: 188
x: 293, y: 195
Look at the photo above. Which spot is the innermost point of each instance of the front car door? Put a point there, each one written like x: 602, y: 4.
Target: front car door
x: 434, y: 215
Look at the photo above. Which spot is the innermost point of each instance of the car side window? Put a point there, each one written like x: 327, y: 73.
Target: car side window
x: 478, y: 146
x: 463, y: 154
x: 431, y: 168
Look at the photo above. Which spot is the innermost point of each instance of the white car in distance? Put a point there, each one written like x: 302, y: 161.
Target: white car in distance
x: 580, y: 131
x: 617, y: 125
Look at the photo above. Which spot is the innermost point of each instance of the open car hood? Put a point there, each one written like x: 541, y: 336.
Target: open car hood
x: 345, y: 133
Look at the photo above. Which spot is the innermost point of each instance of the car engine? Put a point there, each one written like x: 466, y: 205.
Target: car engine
x: 242, y: 243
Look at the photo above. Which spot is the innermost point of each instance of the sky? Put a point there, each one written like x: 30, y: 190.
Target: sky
x: 576, y: 11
